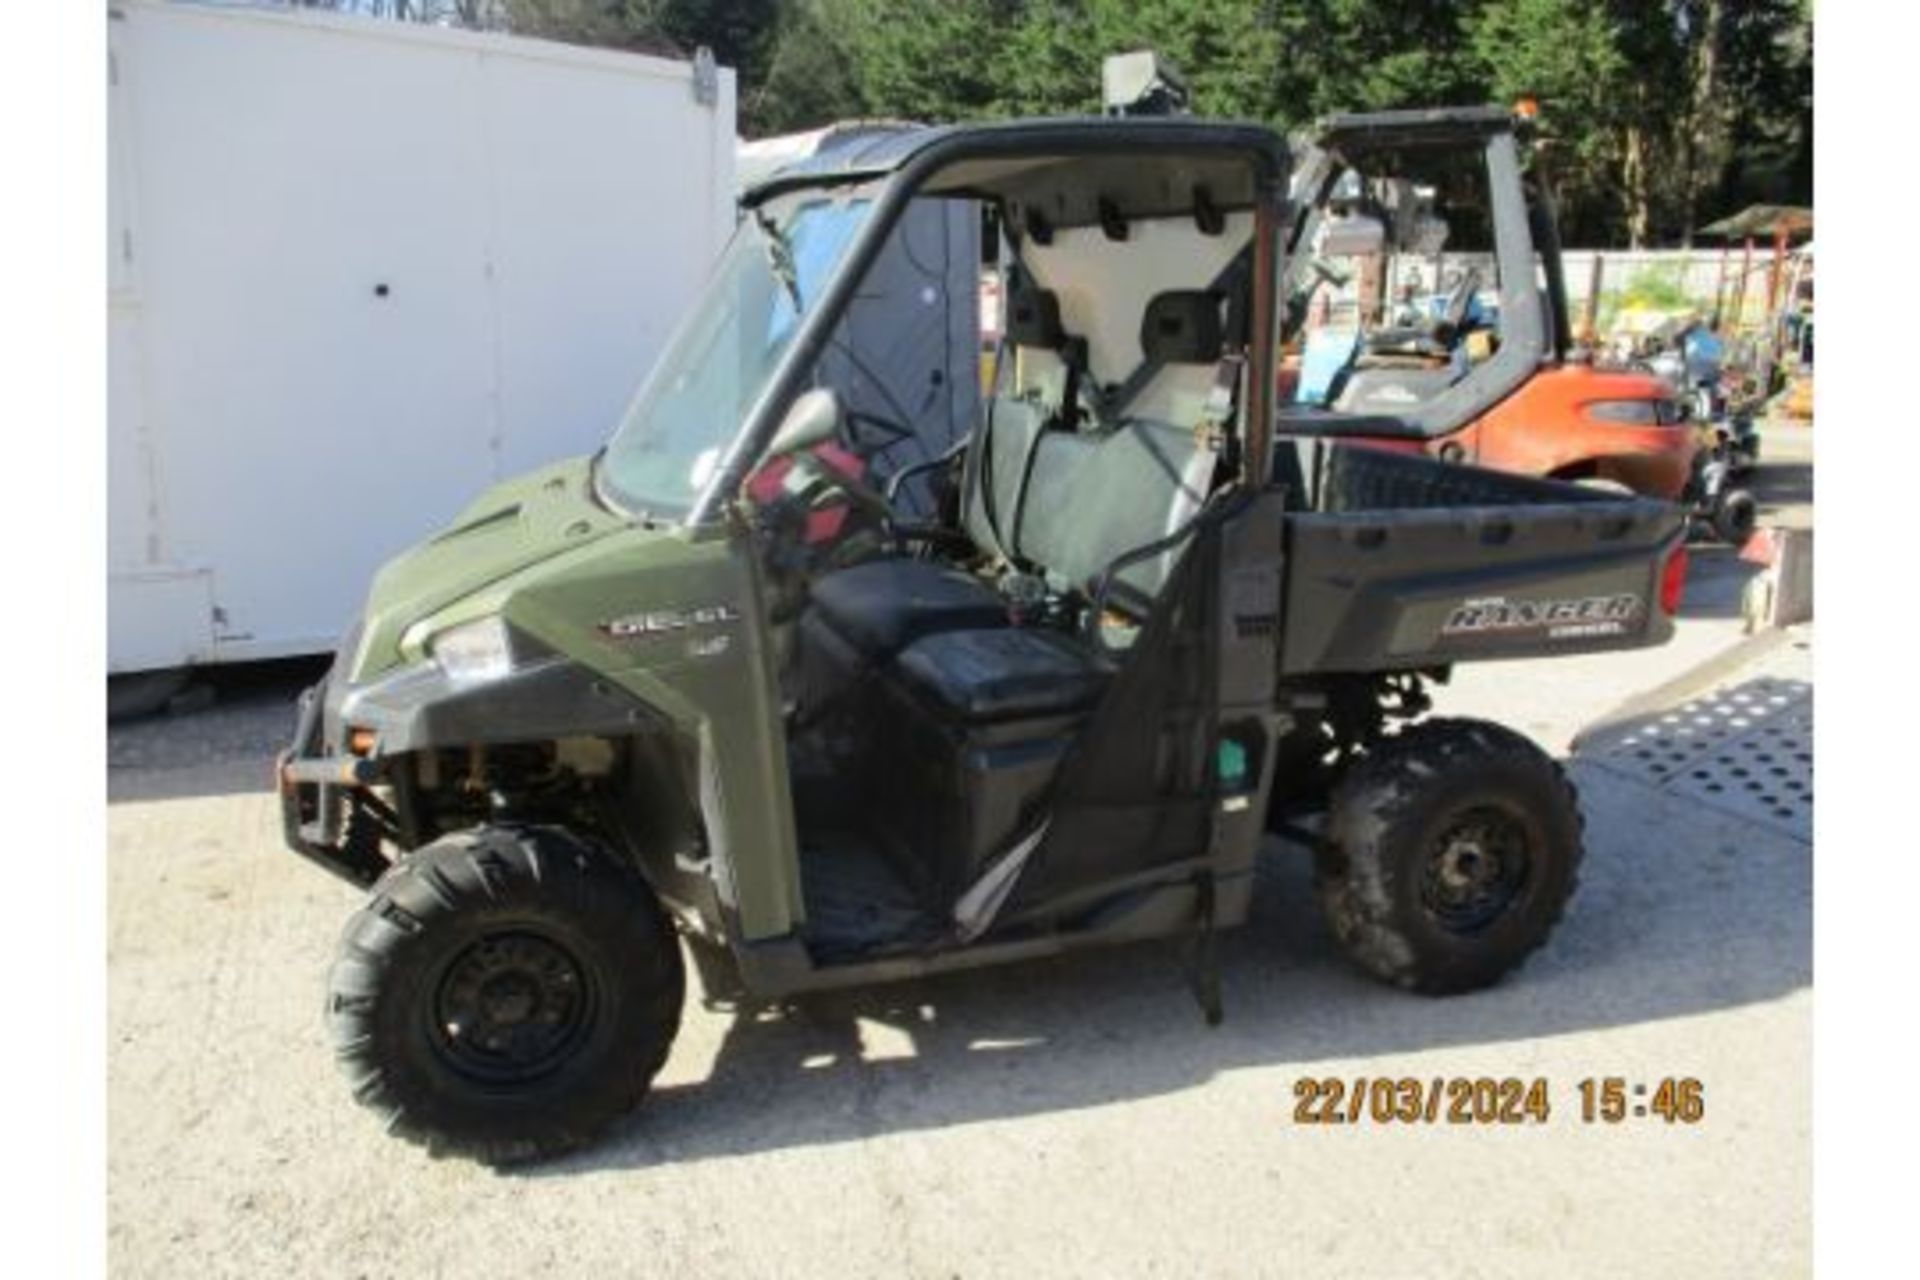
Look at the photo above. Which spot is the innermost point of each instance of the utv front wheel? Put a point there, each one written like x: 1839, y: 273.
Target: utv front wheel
x: 1451, y: 852
x: 505, y: 994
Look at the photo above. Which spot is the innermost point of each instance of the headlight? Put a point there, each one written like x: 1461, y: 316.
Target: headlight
x: 474, y: 652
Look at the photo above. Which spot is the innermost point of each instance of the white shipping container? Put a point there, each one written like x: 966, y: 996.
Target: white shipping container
x: 358, y: 271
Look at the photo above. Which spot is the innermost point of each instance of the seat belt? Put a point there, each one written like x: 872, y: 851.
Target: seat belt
x: 1014, y: 557
x: 1214, y: 432
x: 1072, y: 353
x: 983, y: 468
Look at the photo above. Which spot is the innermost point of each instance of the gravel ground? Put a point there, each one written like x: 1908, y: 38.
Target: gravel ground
x: 1070, y: 1117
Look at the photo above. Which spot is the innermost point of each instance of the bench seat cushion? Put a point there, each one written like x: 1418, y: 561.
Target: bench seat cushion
x: 883, y: 606
x: 1011, y: 673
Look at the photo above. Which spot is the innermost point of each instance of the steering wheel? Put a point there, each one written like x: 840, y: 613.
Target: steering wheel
x: 817, y: 475
x: 793, y: 546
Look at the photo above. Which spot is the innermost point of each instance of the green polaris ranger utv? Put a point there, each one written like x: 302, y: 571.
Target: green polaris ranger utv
x: 636, y: 706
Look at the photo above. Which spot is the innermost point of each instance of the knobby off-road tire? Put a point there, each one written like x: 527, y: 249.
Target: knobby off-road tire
x: 1451, y: 851
x: 505, y: 994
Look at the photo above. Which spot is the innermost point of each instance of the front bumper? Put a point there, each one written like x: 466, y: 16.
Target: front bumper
x: 322, y: 798
x: 329, y: 811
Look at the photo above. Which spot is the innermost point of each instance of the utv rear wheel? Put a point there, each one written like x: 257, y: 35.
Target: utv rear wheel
x: 1451, y: 852
x: 505, y: 994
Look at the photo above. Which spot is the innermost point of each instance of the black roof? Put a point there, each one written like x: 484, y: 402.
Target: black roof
x: 875, y: 150
x: 854, y: 149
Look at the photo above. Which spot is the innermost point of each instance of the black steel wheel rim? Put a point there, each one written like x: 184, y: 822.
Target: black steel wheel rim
x: 1476, y: 869
x: 512, y: 1008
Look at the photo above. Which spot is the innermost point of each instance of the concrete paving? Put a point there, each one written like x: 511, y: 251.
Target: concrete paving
x: 1071, y: 1118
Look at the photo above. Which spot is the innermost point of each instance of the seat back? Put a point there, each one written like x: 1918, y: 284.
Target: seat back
x: 1095, y: 497
x: 1181, y: 337
x: 993, y: 477
x: 1073, y: 502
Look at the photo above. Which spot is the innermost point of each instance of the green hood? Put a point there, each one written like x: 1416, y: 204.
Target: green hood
x: 508, y: 528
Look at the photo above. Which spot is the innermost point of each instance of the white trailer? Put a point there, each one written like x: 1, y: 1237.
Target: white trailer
x: 358, y: 270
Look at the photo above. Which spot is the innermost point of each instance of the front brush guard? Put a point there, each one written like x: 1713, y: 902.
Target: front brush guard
x: 317, y: 795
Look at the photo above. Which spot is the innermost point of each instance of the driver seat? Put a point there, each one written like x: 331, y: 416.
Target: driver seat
x: 880, y: 607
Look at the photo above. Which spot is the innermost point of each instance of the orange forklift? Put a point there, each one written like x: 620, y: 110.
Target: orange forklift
x: 1427, y: 298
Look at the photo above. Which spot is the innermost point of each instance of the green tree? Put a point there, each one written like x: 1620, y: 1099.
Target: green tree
x: 927, y: 59
x: 809, y: 77
x: 1361, y: 55
x: 736, y: 30
x: 1052, y: 62
x: 1565, y: 54
x: 1659, y: 114
x: 1228, y: 50
x: 1767, y: 85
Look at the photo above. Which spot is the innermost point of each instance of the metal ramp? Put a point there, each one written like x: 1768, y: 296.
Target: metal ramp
x: 1744, y: 749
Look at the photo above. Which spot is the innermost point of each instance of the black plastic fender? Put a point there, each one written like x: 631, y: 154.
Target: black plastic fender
x: 418, y: 708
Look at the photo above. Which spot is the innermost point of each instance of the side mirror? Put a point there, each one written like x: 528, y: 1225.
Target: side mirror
x: 813, y: 419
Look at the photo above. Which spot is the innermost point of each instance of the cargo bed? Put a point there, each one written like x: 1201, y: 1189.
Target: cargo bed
x: 1397, y: 561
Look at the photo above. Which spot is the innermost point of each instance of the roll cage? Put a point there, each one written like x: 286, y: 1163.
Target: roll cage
x: 998, y: 163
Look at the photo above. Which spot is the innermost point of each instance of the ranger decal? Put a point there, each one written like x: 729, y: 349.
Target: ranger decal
x: 1560, y: 619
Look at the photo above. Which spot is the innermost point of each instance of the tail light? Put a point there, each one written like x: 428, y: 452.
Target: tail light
x: 1673, y: 579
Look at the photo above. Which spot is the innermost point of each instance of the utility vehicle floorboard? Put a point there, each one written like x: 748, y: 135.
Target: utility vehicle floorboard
x: 856, y: 905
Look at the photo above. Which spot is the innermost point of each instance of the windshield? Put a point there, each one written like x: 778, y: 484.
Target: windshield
x: 695, y: 401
